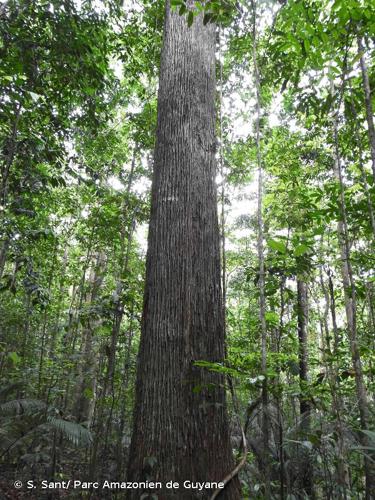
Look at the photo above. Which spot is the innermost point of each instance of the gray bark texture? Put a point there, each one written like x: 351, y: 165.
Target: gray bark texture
x: 351, y: 317
x: 180, y: 424
x: 305, y: 472
x: 303, y: 343
x: 368, y: 105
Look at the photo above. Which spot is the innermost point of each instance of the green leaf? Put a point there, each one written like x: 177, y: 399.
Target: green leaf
x: 89, y: 90
x: 14, y: 357
x: 190, y: 18
x: 279, y: 246
x: 272, y: 317
x: 88, y: 393
x: 301, y: 249
x: 306, y: 44
x: 357, y: 58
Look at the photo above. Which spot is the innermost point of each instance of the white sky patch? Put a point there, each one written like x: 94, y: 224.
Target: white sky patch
x: 134, y: 107
x: 246, y: 203
x: 141, y: 234
x: 115, y: 183
x: 117, y: 68
x: 274, y: 120
x: 132, y: 4
x: 274, y: 112
x: 293, y: 126
x: 84, y: 213
x: 239, y: 106
x: 141, y: 186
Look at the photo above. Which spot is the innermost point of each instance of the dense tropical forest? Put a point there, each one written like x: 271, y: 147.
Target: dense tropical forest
x: 187, y: 287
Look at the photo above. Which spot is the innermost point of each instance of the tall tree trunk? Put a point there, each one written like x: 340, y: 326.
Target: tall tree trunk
x: 351, y: 315
x: 342, y: 474
x: 45, y: 326
x: 180, y: 429
x: 302, y: 313
x: 123, y: 393
x: 279, y: 394
x: 60, y: 296
x: 108, y: 384
x: 86, y: 383
x: 122, y: 275
x: 305, y: 469
x: 368, y: 104
x: 366, y: 190
x: 261, y: 283
x: 79, y: 296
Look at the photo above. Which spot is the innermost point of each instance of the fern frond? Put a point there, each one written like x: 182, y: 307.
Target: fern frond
x: 8, y: 389
x: 21, y: 407
x: 75, y: 433
x: 6, y: 440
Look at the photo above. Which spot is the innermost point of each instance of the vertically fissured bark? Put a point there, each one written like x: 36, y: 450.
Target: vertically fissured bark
x: 180, y: 424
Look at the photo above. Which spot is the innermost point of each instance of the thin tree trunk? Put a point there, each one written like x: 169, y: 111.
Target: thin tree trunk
x: 123, y: 273
x: 3, y: 255
x: 9, y: 154
x: 180, y: 429
x: 116, y: 326
x: 261, y: 282
x: 122, y: 396
x: 60, y: 301
x: 302, y: 313
x: 337, y: 402
x: 279, y: 397
x: 362, y: 169
x: 368, y: 104
x: 86, y: 383
x: 43, y: 340
x: 351, y: 315
x: 305, y: 468
x: 72, y: 330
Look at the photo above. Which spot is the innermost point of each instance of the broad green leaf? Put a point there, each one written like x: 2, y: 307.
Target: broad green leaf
x: 277, y: 245
x: 301, y: 249
x: 190, y: 18
x: 272, y: 317
x: 14, y: 357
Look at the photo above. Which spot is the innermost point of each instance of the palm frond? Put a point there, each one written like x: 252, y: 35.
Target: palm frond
x: 75, y: 433
x: 21, y: 407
